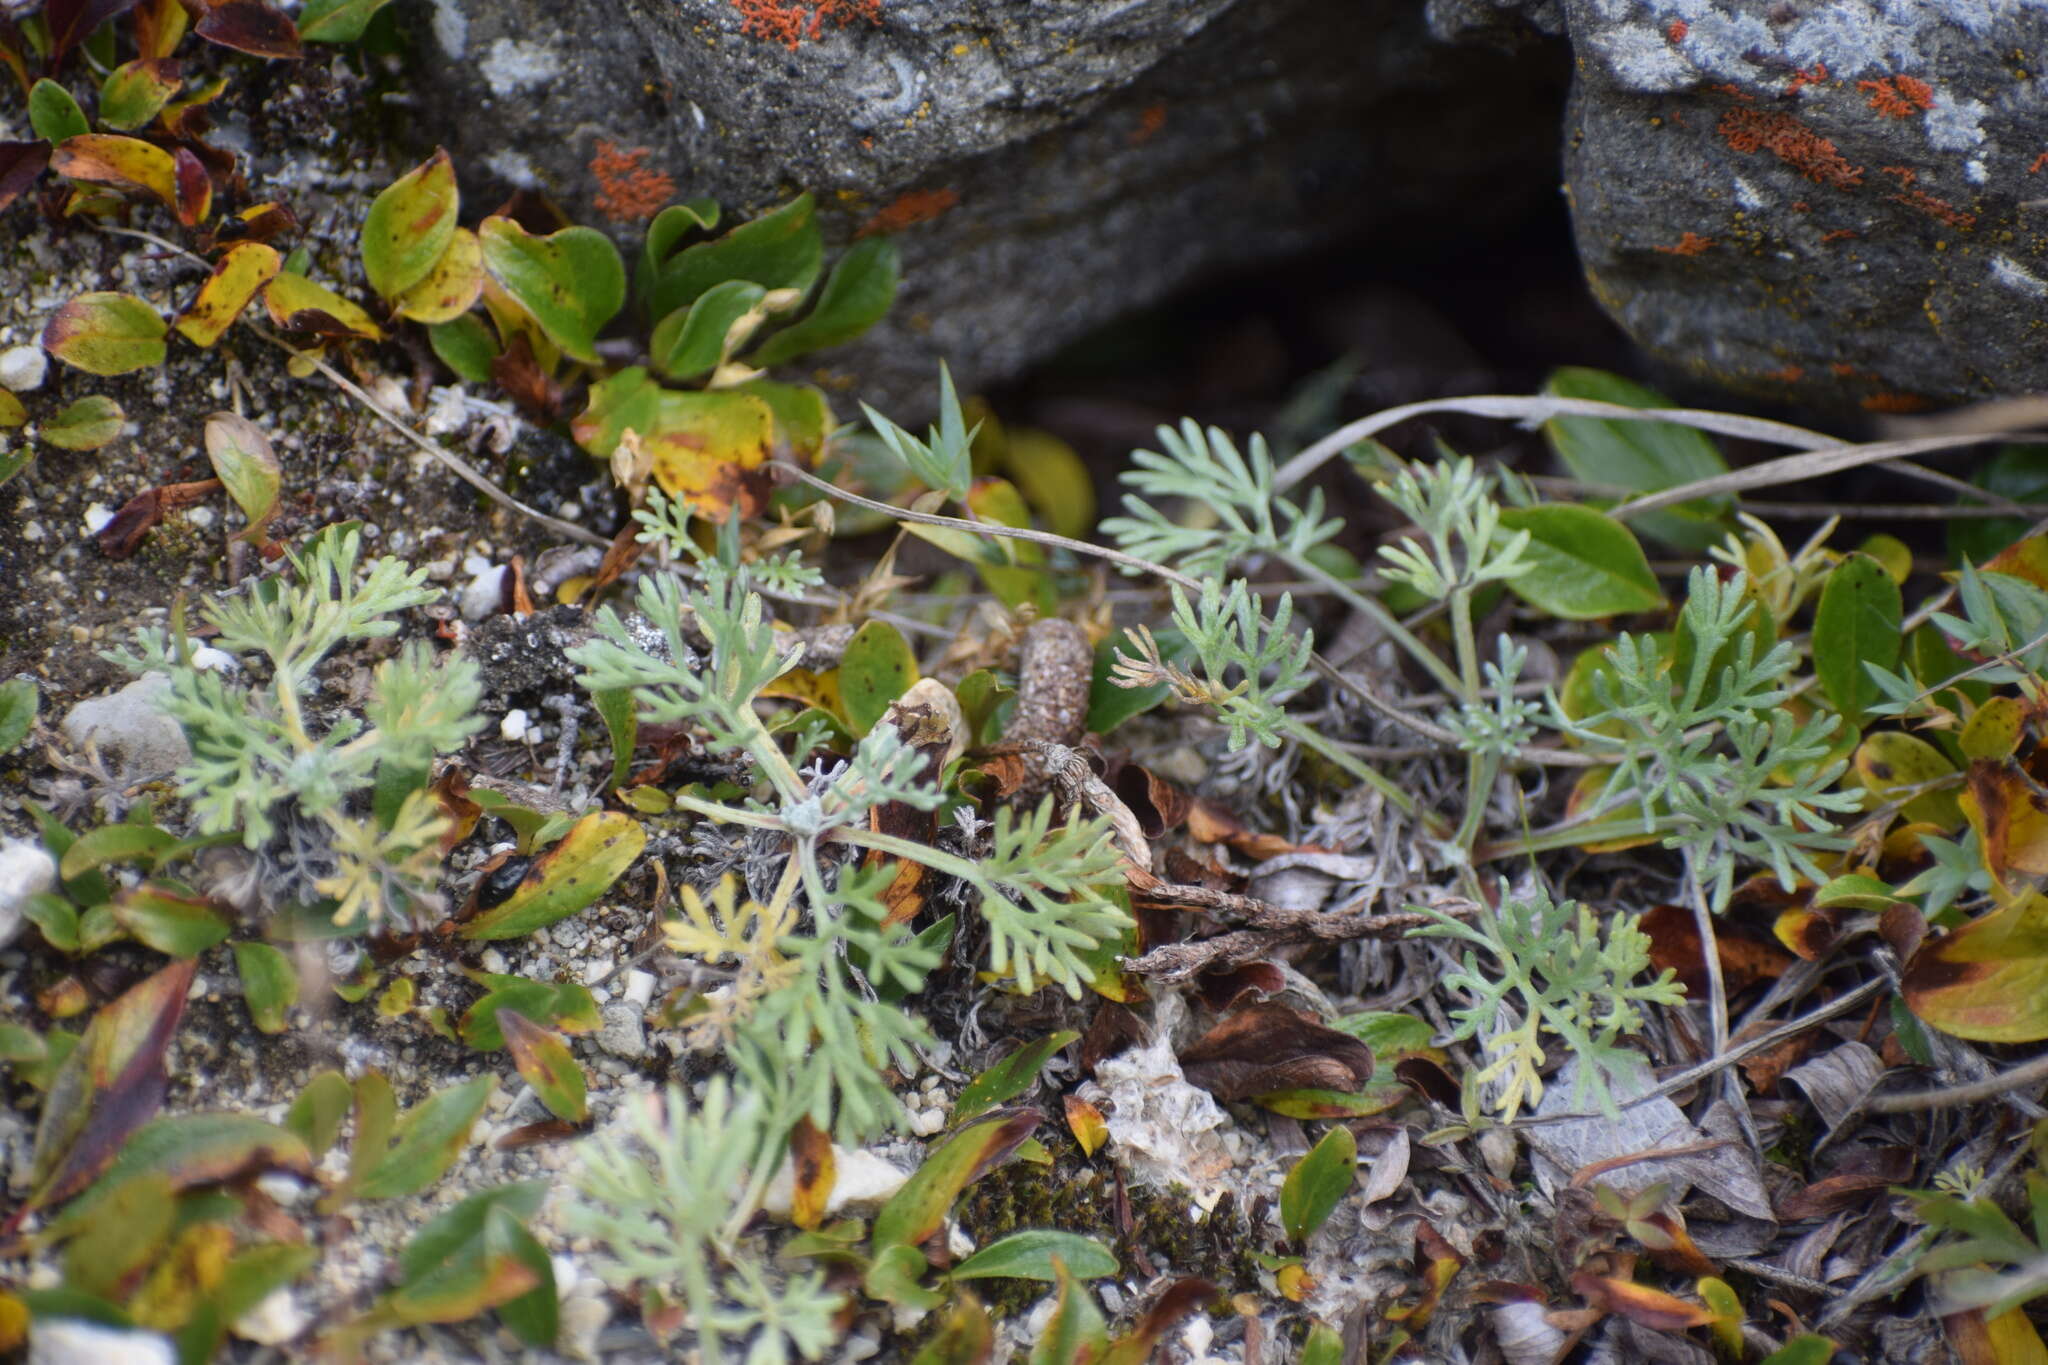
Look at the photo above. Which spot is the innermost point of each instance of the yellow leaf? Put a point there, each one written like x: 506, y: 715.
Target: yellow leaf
x: 297, y: 304
x: 1894, y: 766
x: 236, y: 277
x: 1987, y: 981
x: 454, y: 283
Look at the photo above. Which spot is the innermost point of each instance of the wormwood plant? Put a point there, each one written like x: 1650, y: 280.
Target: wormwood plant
x: 259, y: 761
x: 815, y: 1042
x: 1553, y: 967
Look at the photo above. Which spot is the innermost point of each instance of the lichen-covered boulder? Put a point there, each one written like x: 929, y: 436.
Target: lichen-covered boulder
x: 1834, y: 202
x: 1046, y: 166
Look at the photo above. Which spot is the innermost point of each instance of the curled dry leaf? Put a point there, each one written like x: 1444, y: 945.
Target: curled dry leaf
x: 122, y: 535
x: 1268, y: 1047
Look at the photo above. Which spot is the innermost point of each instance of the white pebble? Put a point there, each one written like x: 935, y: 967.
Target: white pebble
x: 68, y: 1341
x: 639, y: 987
x: 483, y: 594
x: 97, y: 516
x: 22, y: 368
x: 26, y: 869
x: 207, y: 659
x: 514, y: 727
x: 927, y: 1122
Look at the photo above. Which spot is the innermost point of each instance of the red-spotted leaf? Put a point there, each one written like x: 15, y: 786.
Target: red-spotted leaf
x: 135, y: 92
x: 570, y: 282
x: 455, y: 282
x: 595, y: 853
x: 1987, y: 981
x: 297, y: 304
x: 241, y: 271
x: 409, y: 225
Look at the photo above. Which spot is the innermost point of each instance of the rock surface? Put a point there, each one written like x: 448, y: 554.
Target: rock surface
x: 131, y: 730
x: 1840, y: 204
x: 1047, y: 167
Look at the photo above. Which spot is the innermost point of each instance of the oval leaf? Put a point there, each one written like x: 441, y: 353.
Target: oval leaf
x: 1032, y: 1255
x: 297, y: 304
x: 106, y: 333
x: 779, y: 250
x: 337, y: 21
x: 1640, y: 457
x: 1318, y: 1181
x: 695, y: 340
x: 1010, y: 1077
x: 244, y: 461
x: 409, y: 225
x: 135, y: 92
x: 1584, y: 563
x: 919, y: 1209
x: 1856, y: 623
x: 53, y: 114
x: 877, y: 668
x: 124, y: 162
x: 177, y: 926
x: 545, y: 1063
x: 427, y: 1140
x: 1987, y: 981
x: 595, y: 853
x: 87, y: 424
x: 455, y: 282
x: 270, y: 984
x: 571, y: 281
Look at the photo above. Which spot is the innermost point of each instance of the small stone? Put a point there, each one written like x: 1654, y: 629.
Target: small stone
x: 22, y: 368
x: 68, y: 1341
x: 95, y: 517
x: 927, y: 1122
x: 639, y: 987
x: 515, y: 727
x: 275, y: 1320
x: 493, y: 961
x: 861, y: 1181
x: 26, y: 869
x: 207, y: 659
x: 483, y: 593
x: 582, y: 1321
x: 130, y: 729
x: 624, y: 1033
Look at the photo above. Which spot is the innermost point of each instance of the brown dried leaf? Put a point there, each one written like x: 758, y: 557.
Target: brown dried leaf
x: 1860, y: 1172
x: 1268, y: 1047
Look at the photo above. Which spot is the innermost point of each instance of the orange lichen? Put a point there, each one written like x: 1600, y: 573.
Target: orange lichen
x: 1676, y: 30
x: 1689, y: 244
x: 1788, y: 374
x: 1803, y: 78
x: 1935, y: 208
x: 1149, y: 123
x: 1801, y: 206
x: 1843, y: 369
x: 1896, y: 402
x: 1898, y: 96
x: 1840, y: 235
x: 1735, y: 92
x: 2039, y: 162
x: 1792, y: 142
x: 1906, y: 174
x: 910, y: 209
x: 790, y: 22
x: 628, y: 192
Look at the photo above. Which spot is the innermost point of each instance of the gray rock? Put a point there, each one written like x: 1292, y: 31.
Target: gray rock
x: 26, y: 869
x: 1841, y: 204
x: 1073, y: 159
x: 624, y: 1030
x: 130, y: 729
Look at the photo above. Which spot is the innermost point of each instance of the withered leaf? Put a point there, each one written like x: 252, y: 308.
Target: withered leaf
x: 1268, y: 1047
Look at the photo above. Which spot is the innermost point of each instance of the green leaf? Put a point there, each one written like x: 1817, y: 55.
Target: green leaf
x: 1584, y: 563
x: 877, y: 668
x: 1390, y: 1035
x: 568, y: 877
x: 12, y: 413
x: 106, y: 333
x: 2016, y: 472
x: 622, y: 723
x: 1806, y: 1349
x: 427, y: 1140
x: 191, y: 1150
x: 53, y: 114
x: 12, y: 462
x: 1010, y: 1077
x: 779, y: 250
x: 474, y: 1257
x: 571, y: 281
x: 1857, y: 891
x: 694, y: 340
x: 122, y: 843
x: 1641, y: 457
x: 918, y: 1210
x: 1324, y: 1346
x: 117, y: 1234
x: 856, y: 296
x: 1318, y: 1181
x: 567, y: 1006
x: 1032, y: 1255
x: 892, y: 1276
x: 270, y: 984
x: 245, y: 462
x: 410, y: 223
x: 1856, y: 623
x: 545, y: 1063
x: 19, y: 703
x: 965, y: 1336
x: 172, y: 924
x: 465, y: 346
x: 316, y: 1115
x: 136, y: 92
x: 57, y: 918
x: 337, y: 21
x: 1076, y: 1331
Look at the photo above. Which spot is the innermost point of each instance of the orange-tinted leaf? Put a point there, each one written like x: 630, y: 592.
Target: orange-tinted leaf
x: 816, y: 1171
x: 455, y: 282
x: 544, y: 1062
x: 1179, y: 1299
x: 106, y: 333
x: 1440, y: 1263
x: 919, y: 1209
x: 1987, y: 981
x: 1859, y: 1174
x: 249, y: 26
x: 108, y: 1087
x: 1267, y: 1047
x: 1897, y: 766
x: 135, y: 92
x: 706, y: 447
x: 122, y: 535
x: 1087, y: 1125
x: 1675, y: 943
x: 2026, y: 559
x: 236, y: 277
x: 297, y: 304
x: 125, y: 162
x: 158, y: 26
x: 2010, y: 817
x: 1640, y: 1304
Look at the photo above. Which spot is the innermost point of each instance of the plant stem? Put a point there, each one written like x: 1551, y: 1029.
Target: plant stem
x: 1311, y: 739
x: 1371, y: 608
